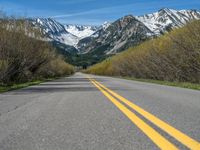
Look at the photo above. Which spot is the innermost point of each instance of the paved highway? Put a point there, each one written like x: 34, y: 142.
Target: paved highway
x: 87, y: 112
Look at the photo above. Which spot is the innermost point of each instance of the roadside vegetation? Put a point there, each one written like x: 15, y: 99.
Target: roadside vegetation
x: 25, y: 57
x: 188, y: 85
x: 173, y: 57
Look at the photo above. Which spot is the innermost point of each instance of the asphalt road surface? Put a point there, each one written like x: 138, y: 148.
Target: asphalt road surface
x: 86, y: 112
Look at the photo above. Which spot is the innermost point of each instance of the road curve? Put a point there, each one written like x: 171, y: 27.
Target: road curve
x: 87, y: 112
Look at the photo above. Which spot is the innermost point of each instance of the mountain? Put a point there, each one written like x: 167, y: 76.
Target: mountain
x: 116, y: 37
x: 55, y: 31
x: 167, y: 19
x: 80, y: 36
x: 97, y: 43
x: 130, y: 31
x: 64, y: 34
x: 83, y: 43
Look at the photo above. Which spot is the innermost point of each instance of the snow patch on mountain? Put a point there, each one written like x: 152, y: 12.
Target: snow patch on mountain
x: 106, y: 25
x: 67, y: 39
x: 102, y: 28
x: 81, y: 31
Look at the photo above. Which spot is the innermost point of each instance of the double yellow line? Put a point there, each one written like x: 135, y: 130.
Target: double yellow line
x: 121, y: 102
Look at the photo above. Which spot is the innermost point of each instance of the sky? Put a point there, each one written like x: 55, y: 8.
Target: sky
x: 90, y: 12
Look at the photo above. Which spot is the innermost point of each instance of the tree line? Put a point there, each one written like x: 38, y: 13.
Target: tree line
x: 174, y: 56
x: 25, y: 56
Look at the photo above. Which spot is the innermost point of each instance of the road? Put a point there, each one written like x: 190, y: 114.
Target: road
x: 87, y: 112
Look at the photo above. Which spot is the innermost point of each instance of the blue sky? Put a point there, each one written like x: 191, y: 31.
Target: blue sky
x: 92, y: 12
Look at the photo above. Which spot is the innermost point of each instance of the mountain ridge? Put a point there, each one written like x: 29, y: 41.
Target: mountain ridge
x: 65, y: 34
x: 158, y: 22
x: 108, y: 39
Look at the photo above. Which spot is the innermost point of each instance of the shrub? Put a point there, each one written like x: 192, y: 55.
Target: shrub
x: 25, y: 56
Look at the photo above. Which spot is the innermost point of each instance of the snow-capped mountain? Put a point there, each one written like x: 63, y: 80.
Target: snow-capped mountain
x: 81, y: 31
x: 55, y: 31
x: 49, y: 26
x: 65, y: 34
x: 111, y: 38
x: 115, y: 37
x: 167, y: 19
x: 131, y: 30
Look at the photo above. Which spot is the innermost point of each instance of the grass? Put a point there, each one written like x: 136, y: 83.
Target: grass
x: 22, y: 85
x: 176, y: 84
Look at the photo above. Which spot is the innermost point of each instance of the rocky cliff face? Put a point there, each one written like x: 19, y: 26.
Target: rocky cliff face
x: 119, y: 35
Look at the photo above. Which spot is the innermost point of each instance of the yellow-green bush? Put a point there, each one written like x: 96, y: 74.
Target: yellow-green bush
x: 24, y: 56
x: 56, y: 67
x: 172, y: 57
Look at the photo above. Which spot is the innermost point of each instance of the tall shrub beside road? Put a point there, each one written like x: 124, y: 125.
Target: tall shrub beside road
x: 24, y: 56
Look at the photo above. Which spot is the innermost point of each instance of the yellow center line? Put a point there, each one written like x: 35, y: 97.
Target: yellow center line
x: 158, y: 139
x: 183, y: 138
x: 198, y: 147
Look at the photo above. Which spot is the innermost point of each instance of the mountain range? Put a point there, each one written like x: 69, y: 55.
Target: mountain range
x: 111, y: 38
x: 66, y: 34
